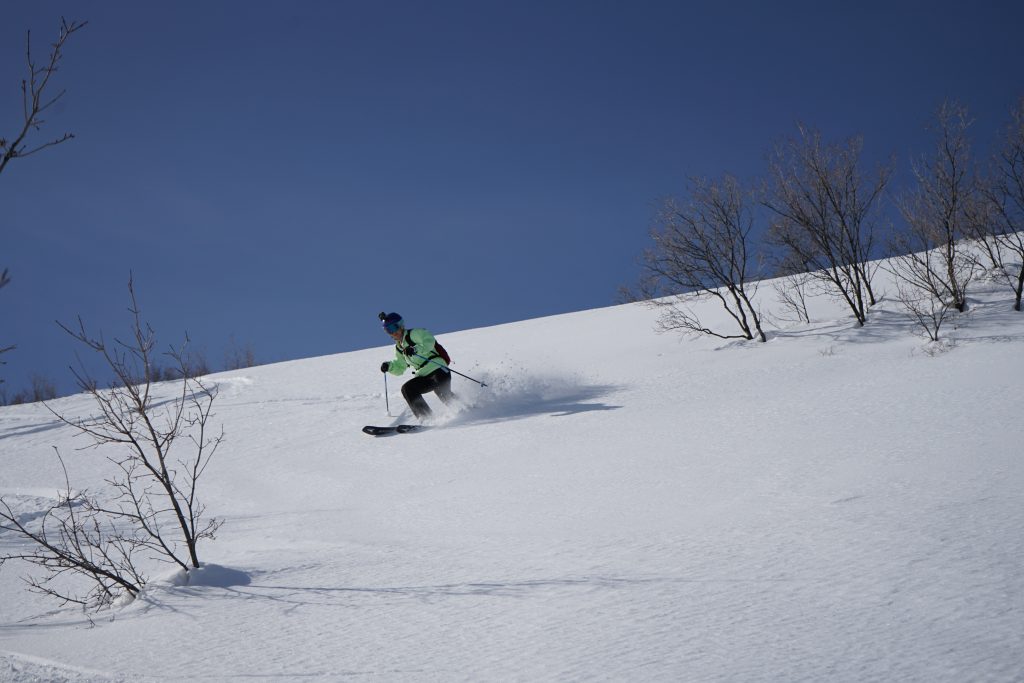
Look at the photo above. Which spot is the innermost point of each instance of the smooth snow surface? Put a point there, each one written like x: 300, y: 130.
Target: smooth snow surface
x: 839, y: 504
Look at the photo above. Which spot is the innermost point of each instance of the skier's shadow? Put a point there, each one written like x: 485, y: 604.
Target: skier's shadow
x: 524, y: 402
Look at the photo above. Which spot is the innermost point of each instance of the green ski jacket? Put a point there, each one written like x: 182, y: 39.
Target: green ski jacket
x: 425, y: 360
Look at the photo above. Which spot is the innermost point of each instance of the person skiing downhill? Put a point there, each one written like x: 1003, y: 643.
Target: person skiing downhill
x: 416, y: 348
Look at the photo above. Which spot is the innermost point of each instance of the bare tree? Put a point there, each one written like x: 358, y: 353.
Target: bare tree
x: 930, y: 253
x: 703, y: 251
x: 35, y: 100
x: 1001, y: 225
x: 824, y: 208
x: 152, y: 511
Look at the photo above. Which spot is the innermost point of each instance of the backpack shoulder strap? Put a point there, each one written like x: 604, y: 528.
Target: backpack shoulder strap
x: 407, y: 338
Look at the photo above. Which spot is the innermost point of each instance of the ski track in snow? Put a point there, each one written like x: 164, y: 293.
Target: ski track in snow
x: 802, y: 510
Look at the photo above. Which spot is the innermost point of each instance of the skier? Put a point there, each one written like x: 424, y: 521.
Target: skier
x: 416, y: 348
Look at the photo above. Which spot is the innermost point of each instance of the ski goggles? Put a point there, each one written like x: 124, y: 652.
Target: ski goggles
x: 391, y: 328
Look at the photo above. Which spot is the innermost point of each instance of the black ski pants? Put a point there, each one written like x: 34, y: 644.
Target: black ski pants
x: 439, y: 381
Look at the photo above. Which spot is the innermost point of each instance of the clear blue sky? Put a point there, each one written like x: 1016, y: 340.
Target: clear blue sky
x: 282, y: 171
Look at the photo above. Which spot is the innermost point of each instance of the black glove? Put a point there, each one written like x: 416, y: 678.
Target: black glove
x: 409, y: 350
x: 385, y: 366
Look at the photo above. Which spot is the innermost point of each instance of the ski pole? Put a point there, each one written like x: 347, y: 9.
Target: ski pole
x: 449, y: 369
x: 387, y: 402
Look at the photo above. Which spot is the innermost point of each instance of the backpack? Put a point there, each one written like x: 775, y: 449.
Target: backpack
x: 439, y: 351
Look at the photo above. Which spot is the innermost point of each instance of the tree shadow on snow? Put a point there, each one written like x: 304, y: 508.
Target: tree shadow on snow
x: 989, y: 318
x: 882, y: 326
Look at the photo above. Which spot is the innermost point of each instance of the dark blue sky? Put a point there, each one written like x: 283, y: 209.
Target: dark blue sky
x: 281, y: 171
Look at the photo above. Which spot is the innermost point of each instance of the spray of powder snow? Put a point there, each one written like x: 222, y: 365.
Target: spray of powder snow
x: 515, y: 392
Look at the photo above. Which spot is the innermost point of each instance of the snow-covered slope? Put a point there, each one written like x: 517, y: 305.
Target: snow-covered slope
x: 837, y: 504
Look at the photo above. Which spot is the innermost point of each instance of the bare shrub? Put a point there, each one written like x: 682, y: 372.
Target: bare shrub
x: 793, y: 287
x: 238, y: 357
x: 43, y: 389
x: 924, y: 307
x: 151, y: 510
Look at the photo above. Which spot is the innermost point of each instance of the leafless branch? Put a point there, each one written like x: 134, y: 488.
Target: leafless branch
x: 35, y: 99
x: 70, y: 538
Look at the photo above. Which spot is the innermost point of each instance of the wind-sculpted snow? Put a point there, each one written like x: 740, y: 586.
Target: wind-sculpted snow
x: 839, y: 504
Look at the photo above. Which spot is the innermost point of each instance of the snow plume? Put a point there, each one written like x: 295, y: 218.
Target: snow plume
x: 515, y: 392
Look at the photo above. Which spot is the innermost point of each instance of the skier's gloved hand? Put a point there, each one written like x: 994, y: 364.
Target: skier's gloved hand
x: 410, y: 350
x: 385, y: 366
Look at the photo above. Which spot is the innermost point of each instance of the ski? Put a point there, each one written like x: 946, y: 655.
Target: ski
x: 373, y: 430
